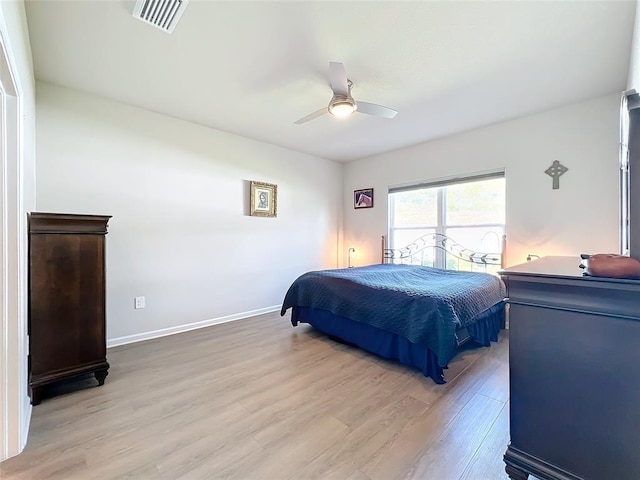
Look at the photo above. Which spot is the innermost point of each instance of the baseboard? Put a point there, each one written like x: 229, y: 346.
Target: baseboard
x: 140, y: 337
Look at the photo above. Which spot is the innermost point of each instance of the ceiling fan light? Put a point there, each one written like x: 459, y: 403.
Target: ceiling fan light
x: 342, y: 109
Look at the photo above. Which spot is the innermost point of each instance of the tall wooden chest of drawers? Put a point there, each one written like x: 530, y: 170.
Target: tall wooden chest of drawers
x: 67, y: 332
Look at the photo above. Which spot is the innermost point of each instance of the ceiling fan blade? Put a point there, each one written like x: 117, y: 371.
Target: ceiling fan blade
x: 311, y: 116
x: 338, y: 78
x: 377, y: 110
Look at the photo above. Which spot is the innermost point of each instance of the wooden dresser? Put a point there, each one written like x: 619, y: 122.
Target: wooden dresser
x: 574, y: 361
x: 67, y: 334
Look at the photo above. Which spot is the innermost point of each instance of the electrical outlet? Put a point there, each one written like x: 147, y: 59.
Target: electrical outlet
x: 138, y: 302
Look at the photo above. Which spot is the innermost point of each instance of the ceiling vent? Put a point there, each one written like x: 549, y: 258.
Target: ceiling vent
x: 163, y: 14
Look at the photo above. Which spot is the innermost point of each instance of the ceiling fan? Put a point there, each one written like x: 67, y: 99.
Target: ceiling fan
x: 342, y: 103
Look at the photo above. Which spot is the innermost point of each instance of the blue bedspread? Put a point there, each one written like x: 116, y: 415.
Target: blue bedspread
x: 425, y: 305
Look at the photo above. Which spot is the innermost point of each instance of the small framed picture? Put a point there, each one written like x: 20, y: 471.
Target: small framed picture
x: 363, y: 198
x: 264, y: 199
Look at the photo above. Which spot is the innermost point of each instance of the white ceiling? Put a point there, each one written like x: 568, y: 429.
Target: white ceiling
x: 253, y: 68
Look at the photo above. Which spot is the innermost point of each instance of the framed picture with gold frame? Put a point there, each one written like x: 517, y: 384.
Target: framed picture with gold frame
x: 264, y: 199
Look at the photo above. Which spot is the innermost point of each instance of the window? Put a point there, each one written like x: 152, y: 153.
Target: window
x: 470, y: 211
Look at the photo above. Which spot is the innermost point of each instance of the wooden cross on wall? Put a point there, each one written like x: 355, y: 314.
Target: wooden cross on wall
x: 555, y: 171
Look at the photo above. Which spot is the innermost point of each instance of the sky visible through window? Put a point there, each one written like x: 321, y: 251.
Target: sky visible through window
x: 472, y: 213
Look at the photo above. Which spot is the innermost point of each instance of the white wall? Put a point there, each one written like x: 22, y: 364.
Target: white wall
x: 180, y: 233
x: 582, y: 216
x: 18, y: 197
x: 634, y: 66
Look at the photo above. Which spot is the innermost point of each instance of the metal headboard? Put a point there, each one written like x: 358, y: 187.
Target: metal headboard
x: 415, y: 250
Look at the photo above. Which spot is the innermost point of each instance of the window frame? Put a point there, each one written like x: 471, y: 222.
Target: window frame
x: 440, y: 260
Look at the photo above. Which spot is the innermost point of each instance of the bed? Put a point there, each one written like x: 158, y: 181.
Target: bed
x: 415, y: 314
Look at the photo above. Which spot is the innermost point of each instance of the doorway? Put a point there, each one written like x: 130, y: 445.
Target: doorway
x: 15, y: 410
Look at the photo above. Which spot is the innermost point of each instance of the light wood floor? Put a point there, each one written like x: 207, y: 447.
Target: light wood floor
x: 260, y: 399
